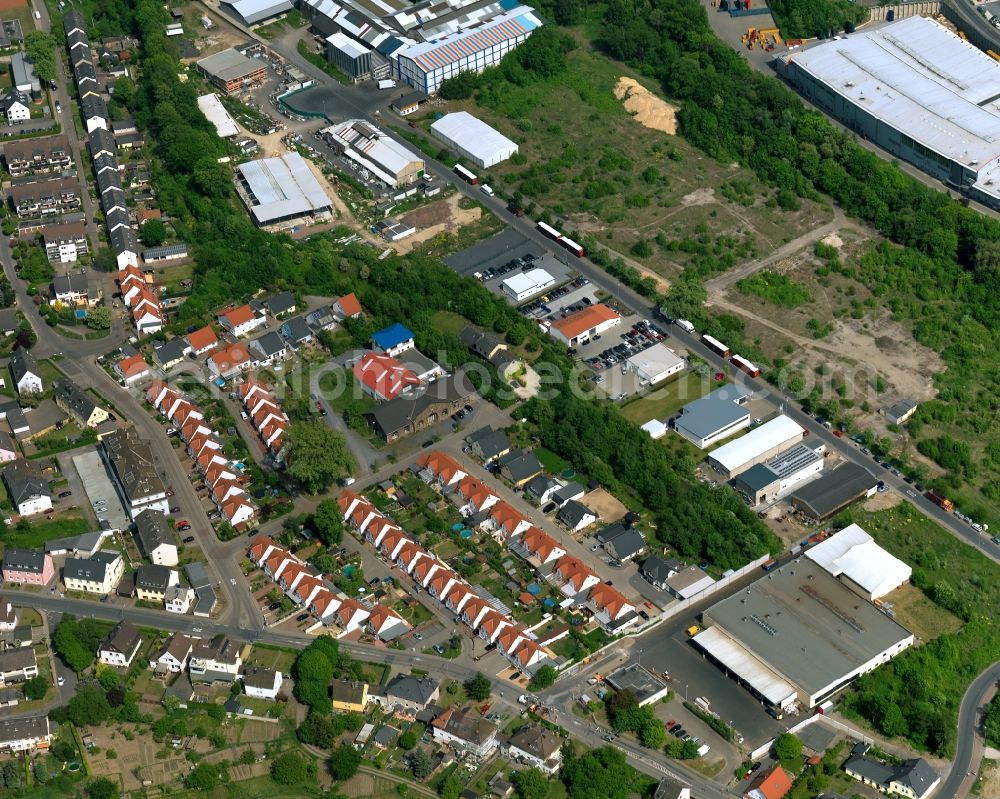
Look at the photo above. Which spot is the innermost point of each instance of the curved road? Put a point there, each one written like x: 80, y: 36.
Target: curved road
x: 967, y: 748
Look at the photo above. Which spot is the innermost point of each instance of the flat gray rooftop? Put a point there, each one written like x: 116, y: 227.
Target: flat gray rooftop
x: 636, y: 679
x: 806, y: 625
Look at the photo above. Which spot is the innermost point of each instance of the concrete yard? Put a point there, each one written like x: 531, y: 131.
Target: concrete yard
x: 98, y: 484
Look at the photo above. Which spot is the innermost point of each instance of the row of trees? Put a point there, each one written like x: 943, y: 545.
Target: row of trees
x: 697, y: 520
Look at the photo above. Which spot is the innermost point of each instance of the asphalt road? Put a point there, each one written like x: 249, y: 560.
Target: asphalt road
x: 958, y: 782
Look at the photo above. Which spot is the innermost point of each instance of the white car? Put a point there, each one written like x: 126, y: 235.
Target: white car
x: 61, y: 680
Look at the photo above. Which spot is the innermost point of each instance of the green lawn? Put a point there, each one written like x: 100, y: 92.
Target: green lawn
x: 36, y: 533
x: 448, y: 322
x: 667, y: 400
x: 552, y: 462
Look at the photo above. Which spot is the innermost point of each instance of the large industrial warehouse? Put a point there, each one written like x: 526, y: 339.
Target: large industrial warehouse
x: 798, y: 635
x: 281, y: 190
x: 473, y: 139
x: 379, y: 153
x: 917, y: 90
x: 714, y: 417
x: 757, y: 446
x: 834, y: 491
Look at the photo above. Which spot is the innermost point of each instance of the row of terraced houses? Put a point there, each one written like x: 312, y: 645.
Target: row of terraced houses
x: 204, y: 445
x: 513, y: 641
x: 510, y: 528
x: 306, y: 588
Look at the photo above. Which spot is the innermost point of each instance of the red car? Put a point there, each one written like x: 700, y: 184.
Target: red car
x: 838, y: 434
x: 183, y: 526
x: 720, y: 376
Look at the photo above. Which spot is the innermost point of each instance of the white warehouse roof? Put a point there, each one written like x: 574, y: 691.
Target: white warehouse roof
x: 474, y: 138
x: 254, y: 11
x: 282, y: 187
x: 656, y: 360
x: 523, y: 282
x: 737, y: 453
x: 217, y: 114
x: 373, y: 149
x: 751, y: 669
x: 347, y: 46
x: 854, y: 554
x: 920, y: 78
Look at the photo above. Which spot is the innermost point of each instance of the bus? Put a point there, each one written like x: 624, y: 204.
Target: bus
x: 466, y: 175
x: 745, y: 366
x: 715, y: 346
x: 572, y: 246
x: 549, y: 231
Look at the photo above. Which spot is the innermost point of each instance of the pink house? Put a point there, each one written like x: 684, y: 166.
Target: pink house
x: 27, y: 567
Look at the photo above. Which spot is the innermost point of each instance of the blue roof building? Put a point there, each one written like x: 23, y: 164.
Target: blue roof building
x: 394, y: 339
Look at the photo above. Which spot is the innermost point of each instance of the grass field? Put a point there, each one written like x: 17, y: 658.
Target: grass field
x: 666, y: 401
x: 448, y: 322
x: 921, y: 616
x: 584, y: 158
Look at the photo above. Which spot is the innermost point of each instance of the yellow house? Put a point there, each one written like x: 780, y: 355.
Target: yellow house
x: 349, y: 695
x: 78, y: 404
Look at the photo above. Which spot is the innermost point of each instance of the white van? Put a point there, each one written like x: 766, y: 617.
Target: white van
x: 486, y: 190
x: 684, y: 325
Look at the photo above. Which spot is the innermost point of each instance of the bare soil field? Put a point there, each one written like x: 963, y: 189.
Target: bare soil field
x: 608, y: 508
x: 441, y: 216
x: 646, y: 108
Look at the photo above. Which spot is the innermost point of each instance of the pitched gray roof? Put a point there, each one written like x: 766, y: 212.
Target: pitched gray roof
x: 280, y: 303
x: 296, y: 329
x: 573, y: 512
x: 658, y: 569
x: 70, y: 396
x: 257, y: 677
x: 626, y: 545
x: 395, y: 415
x: 123, y: 638
x: 93, y: 568
x: 24, y: 560
x: 152, y: 578
x: 21, y: 363
x: 520, y: 464
x: 490, y: 442
x: 536, y: 740
x: 417, y: 690
x: 24, y: 480
x: 539, y: 484
x: 23, y: 728
x: 171, y: 350
x: 132, y: 461
x: 152, y: 530
x: 270, y: 344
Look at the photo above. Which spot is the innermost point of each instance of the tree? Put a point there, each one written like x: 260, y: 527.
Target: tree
x: 41, y: 51
x: 409, y: 739
x: 35, y: 688
x: 599, y: 772
x: 290, y: 768
x: 788, y: 750
x: 103, y: 788
x: 682, y: 750
x: 344, y: 762
x: 99, y: 317
x: 40, y: 771
x: 88, y: 706
x: 317, y: 730
x: 478, y: 687
x: 25, y: 335
x: 451, y: 788
x: 543, y: 678
x: 327, y: 522
x: 13, y: 776
x: 459, y: 87
x: 203, y: 777
x: 531, y: 784
x: 653, y: 734
x: 317, y: 455
x: 421, y: 764
x: 153, y: 233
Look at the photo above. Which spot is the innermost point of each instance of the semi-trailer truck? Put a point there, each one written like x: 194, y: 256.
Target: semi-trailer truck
x: 942, y: 502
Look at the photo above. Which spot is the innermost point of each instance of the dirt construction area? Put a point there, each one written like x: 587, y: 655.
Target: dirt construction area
x: 440, y: 216
x: 607, y: 507
x: 649, y: 110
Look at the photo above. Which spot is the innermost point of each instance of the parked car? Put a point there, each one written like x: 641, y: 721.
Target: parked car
x: 302, y: 617
x: 175, y: 509
x: 64, y: 494
x: 183, y: 527
x: 189, y: 539
x: 274, y: 606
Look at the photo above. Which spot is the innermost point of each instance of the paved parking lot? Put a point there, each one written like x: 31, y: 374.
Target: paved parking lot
x: 97, y: 484
x: 491, y: 252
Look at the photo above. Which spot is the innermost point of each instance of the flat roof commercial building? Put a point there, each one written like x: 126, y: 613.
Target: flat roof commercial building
x: 473, y: 139
x: 798, y: 634
x: 766, y: 481
x: 232, y: 71
x: 714, y: 417
x: 427, y: 64
x: 656, y: 364
x: 757, y: 446
x: 646, y: 687
x: 374, y: 150
x: 522, y: 285
x: 216, y: 113
x: 853, y: 557
x: 834, y: 491
x: 281, y: 189
x: 252, y: 12
x: 917, y: 90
